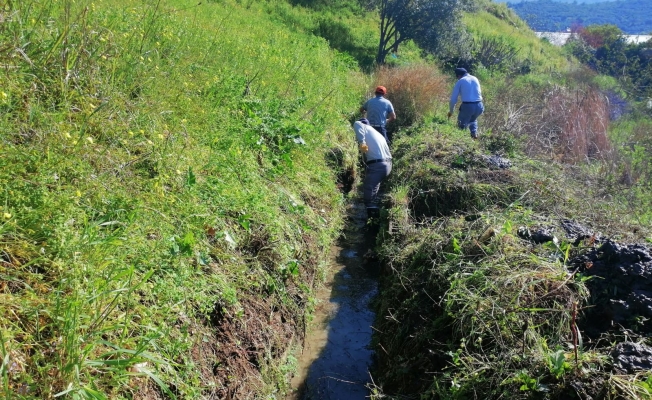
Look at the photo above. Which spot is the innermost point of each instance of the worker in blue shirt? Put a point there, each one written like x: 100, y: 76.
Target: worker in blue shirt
x: 378, y: 162
x: 468, y: 88
x: 380, y: 112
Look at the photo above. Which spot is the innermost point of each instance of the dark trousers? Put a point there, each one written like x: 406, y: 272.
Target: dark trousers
x: 468, y: 117
x: 383, y: 131
x: 374, y: 174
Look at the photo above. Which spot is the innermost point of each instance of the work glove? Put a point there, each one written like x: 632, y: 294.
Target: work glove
x: 364, y: 148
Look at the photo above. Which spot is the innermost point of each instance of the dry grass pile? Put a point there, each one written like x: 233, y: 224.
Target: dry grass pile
x: 564, y: 124
x: 472, y: 311
x: 581, y: 118
x: 413, y: 90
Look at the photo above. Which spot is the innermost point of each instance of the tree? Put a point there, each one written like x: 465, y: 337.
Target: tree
x: 428, y: 22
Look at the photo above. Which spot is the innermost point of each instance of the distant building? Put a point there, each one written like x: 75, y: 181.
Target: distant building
x: 560, y: 38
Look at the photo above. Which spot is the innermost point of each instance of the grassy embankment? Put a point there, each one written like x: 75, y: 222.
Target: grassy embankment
x: 470, y: 309
x: 166, y: 196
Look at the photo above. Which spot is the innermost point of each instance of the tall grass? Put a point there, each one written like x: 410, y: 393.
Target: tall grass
x: 469, y: 309
x: 162, y: 175
x: 499, y: 23
x: 414, y: 90
x: 559, y: 122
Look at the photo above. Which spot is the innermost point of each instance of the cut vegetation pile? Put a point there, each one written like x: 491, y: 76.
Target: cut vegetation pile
x: 489, y: 289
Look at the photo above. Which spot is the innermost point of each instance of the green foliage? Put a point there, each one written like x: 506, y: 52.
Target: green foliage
x: 604, y: 49
x: 494, y: 52
x: 557, y: 363
x: 162, y: 167
x: 431, y: 24
x: 497, y: 24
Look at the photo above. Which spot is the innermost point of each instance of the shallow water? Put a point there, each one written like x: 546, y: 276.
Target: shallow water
x: 336, y: 357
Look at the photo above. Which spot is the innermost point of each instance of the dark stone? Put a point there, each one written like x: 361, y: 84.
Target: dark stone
x: 538, y: 236
x: 497, y: 161
x: 577, y: 232
x: 632, y: 357
x: 621, y: 288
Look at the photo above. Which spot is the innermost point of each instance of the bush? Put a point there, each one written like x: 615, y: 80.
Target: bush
x: 564, y: 124
x: 413, y: 90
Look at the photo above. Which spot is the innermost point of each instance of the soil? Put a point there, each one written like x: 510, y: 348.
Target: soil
x: 621, y: 289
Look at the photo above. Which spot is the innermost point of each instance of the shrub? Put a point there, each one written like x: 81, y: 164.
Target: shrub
x: 565, y: 124
x: 413, y: 90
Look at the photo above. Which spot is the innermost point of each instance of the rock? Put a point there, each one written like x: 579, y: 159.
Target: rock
x: 577, y: 232
x: 538, y: 235
x: 497, y: 161
x: 632, y: 357
x: 621, y: 288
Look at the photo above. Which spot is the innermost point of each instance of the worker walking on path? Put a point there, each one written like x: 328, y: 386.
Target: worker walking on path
x: 380, y: 112
x: 378, y: 161
x: 468, y: 88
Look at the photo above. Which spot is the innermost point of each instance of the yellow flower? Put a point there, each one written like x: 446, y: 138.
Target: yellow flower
x: 131, y: 133
x: 67, y: 135
x: 78, y: 193
x: 4, y: 95
x: 7, y: 215
x: 89, y: 140
x: 161, y: 136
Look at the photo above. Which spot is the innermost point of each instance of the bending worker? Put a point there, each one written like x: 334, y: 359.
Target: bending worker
x: 467, y: 87
x: 380, y: 112
x: 378, y: 161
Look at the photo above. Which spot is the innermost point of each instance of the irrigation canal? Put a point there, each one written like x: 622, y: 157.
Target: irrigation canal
x: 336, y: 357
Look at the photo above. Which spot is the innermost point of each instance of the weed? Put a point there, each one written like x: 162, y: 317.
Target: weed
x: 413, y: 90
x: 149, y: 155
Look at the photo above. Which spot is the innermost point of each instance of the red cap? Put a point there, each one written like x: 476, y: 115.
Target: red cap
x: 381, y: 89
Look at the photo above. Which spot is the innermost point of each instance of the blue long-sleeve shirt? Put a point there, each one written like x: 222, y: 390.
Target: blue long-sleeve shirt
x: 467, y: 87
x: 377, y: 144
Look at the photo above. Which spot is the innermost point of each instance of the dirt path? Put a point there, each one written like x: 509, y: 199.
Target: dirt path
x: 336, y: 356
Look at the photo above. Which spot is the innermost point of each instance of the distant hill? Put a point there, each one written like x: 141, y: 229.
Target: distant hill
x: 548, y: 15
x: 557, y: 1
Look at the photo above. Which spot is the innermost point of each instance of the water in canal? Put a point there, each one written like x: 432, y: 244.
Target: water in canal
x: 336, y: 356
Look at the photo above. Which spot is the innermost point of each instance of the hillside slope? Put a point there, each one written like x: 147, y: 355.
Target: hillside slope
x: 168, y: 191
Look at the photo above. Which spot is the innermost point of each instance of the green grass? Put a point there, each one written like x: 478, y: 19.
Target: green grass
x: 498, y: 21
x: 469, y: 309
x: 160, y: 166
